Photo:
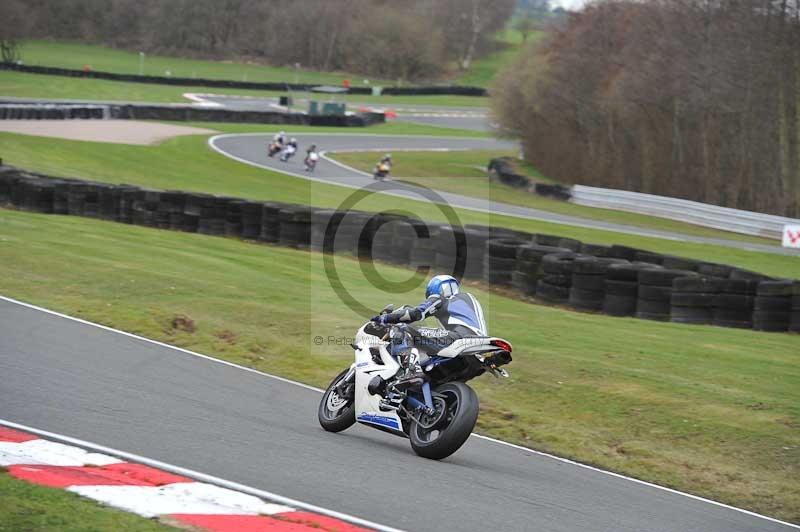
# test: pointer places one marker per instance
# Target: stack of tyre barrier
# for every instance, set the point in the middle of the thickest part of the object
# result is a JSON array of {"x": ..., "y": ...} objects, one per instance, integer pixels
[
  {"x": 405, "y": 232},
  {"x": 528, "y": 267},
  {"x": 692, "y": 300},
  {"x": 588, "y": 288},
  {"x": 556, "y": 281},
  {"x": 449, "y": 243},
  {"x": 503, "y": 169},
  {"x": 51, "y": 111},
  {"x": 56, "y": 111},
  {"x": 558, "y": 242},
  {"x": 733, "y": 302},
  {"x": 773, "y": 306},
  {"x": 213, "y": 211},
  {"x": 654, "y": 296},
  {"x": 423, "y": 252},
  {"x": 794, "y": 320},
  {"x": 500, "y": 259},
  {"x": 252, "y": 212},
  {"x": 615, "y": 280},
  {"x": 295, "y": 229},
  {"x": 323, "y": 223},
  {"x": 622, "y": 287},
  {"x": 383, "y": 239},
  {"x": 271, "y": 221},
  {"x": 35, "y": 195},
  {"x": 595, "y": 250},
  {"x": 61, "y": 198},
  {"x": 626, "y": 253},
  {"x": 474, "y": 251}
]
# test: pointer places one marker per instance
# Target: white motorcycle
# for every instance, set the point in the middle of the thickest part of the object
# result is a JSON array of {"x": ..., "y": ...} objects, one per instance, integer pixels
[{"x": 439, "y": 417}]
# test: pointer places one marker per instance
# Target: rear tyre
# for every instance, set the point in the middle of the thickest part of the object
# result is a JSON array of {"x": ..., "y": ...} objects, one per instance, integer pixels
[
  {"x": 457, "y": 412},
  {"x": 337, "y": 413}
]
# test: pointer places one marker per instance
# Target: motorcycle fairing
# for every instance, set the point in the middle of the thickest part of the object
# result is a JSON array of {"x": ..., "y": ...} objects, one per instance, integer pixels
[{"x": 367, "y": 405}]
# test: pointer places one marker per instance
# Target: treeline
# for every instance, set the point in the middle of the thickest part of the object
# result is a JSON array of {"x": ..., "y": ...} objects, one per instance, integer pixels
[
  {"x": 695, "y": 99},
  {"x": 409, "y": 40}
]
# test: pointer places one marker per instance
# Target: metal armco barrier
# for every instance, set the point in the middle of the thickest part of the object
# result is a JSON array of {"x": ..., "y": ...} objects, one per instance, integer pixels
[{"x": 693, "y": 212}]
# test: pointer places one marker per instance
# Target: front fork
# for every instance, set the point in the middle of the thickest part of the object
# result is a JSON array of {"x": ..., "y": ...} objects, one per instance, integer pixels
[{"x": 344, "y": 381}]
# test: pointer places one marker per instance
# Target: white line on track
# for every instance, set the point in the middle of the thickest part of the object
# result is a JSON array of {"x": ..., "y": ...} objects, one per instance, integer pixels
[
  {"x": 211, "y": 142},
  {"x": 629, "y": 230},
  {"x": 202, "y": 477},
  {"x": 284, "y": 500}
]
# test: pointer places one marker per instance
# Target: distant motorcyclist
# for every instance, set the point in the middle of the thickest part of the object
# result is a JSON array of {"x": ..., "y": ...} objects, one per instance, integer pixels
[
  {"x": 289, "y": 150},
  {"x": 459, "y": 314},
  {"x": 311, "y": 158},
  {"x": 383, "y": 167},
  {"x": 277, "y": 144}
]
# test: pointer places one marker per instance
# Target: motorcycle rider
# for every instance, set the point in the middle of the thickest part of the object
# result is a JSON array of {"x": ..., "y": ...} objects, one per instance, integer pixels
[
  {"x": 289, "y": 150},
  {"x": 459, "y": 314},
  {"x": 311, "y": 158},
  {"x": 277, "y": 143},
  {"x": 383, "y": 167}
]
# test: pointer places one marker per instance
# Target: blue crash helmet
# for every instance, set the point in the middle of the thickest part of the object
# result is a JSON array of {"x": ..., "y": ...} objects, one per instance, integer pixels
[{"x": 444, "y": 285}]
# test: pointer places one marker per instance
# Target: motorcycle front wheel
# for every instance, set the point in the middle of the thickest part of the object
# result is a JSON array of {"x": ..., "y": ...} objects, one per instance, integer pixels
[
  {"x": 443, "y": 433},
  {"x": 337, "y": 413}
]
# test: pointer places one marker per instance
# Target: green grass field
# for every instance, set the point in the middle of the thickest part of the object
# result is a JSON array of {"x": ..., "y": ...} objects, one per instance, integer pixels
[
  {"x": 25, "y": 506},
  {"x": 708, "y": 410},
  {"x": 483, "y": 70},
  {"x": 186, "y": 163},
  {"x": 23, "y": 85},
  {"x": 77, "y": 55},
  {"x": 465, "y": 173}
]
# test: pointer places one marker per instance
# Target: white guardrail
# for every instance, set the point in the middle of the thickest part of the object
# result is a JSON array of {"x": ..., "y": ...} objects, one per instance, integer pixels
[{"x": 693, "y": 212}]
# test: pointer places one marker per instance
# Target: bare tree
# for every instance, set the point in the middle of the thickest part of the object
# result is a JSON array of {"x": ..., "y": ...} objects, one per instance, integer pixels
[
  {"x": 356, "y": 35},
  {"x": 689, "y": 98},
  {"x": 12, "y": 28}
]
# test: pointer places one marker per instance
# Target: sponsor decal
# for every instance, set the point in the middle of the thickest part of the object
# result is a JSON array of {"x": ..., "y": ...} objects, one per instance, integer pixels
[
  {"x": 791, "y": 236},
  {"x": 385, "y": 421}
]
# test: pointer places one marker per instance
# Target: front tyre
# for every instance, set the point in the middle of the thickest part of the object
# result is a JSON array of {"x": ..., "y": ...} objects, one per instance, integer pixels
[
  {"x": 337, "y": 412},
  {"x": 442, "y": 434}
]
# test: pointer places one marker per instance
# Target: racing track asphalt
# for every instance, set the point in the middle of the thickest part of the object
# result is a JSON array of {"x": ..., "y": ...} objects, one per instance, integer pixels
[
  {"x": 250, "y": 148},
  {"x": 137, "y": 396}
]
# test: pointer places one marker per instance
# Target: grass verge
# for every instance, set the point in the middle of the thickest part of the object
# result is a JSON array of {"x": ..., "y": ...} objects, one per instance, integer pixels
[
  {"x": 186, "y": 163},
  {"x": 26, "y": 506},
  {"x": 509, "y": 43},
  {"x": 77, "y": 55},
  {"x": 25, "y": 85},
  {"x": 707, "y": 410},
  {"x": 464, "y": 173}
]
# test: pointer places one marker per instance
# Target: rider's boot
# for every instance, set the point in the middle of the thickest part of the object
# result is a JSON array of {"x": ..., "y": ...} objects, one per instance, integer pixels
[{"x": 412, "y": 376}]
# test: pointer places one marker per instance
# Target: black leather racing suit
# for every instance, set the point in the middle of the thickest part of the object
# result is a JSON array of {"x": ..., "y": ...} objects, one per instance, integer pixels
[{"x": 460, "y": 316}]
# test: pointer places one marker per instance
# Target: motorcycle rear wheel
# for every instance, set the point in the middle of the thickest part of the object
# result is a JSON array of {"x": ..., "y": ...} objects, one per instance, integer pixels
[
  {"x": 453, "y": 429},
  {"x": 336, "y": 413}
]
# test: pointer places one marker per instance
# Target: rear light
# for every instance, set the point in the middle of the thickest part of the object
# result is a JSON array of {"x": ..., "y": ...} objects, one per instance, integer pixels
[{"x": 502, "y": 344}]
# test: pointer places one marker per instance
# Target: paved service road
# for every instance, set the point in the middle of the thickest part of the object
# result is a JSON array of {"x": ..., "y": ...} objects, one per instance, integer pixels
[
  {"x": 251, "y": 149},
  {"x": 475, "y": 118},
  {"x": 114, "y": 390}
]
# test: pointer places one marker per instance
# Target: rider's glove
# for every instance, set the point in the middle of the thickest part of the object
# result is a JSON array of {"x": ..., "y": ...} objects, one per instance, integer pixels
[{"x": 380, "y": 320}]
